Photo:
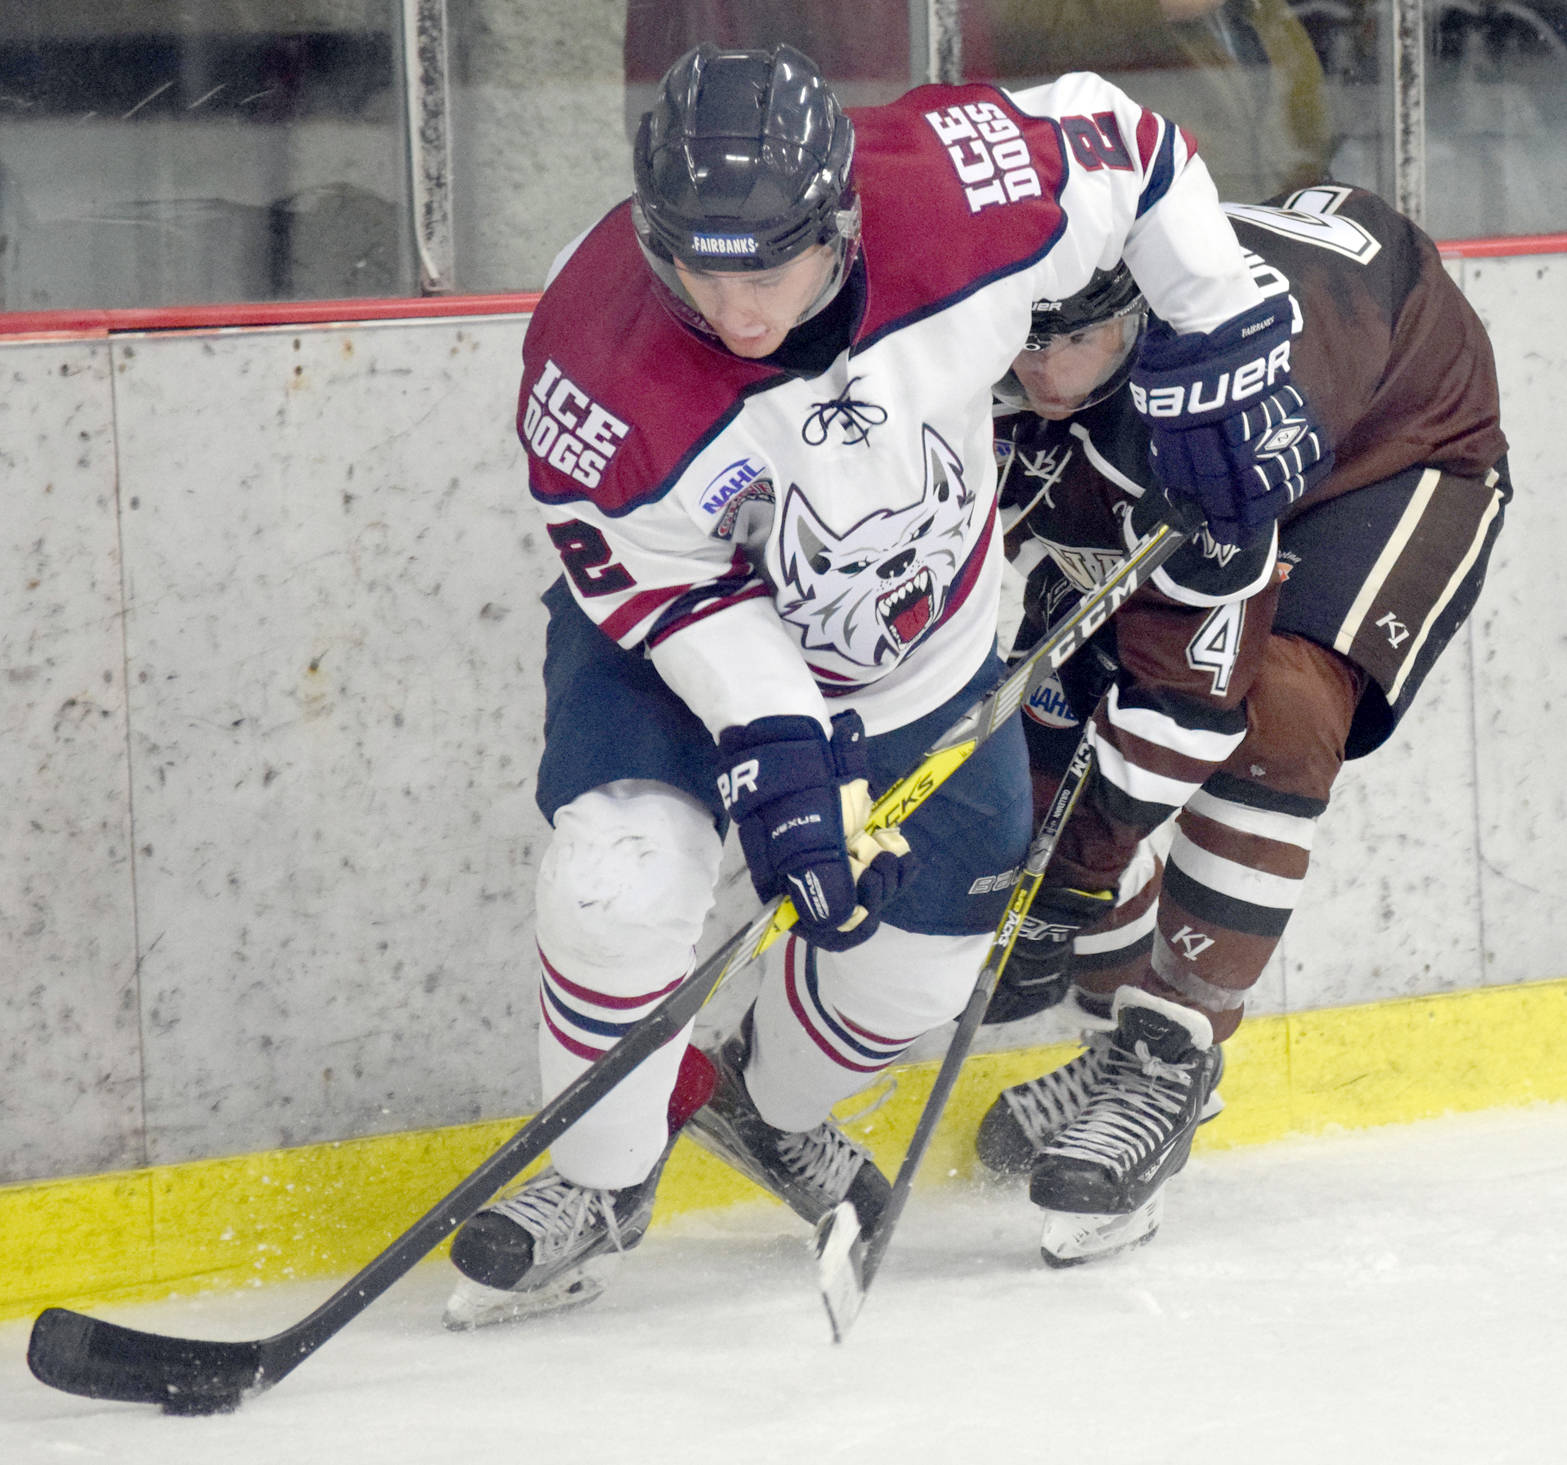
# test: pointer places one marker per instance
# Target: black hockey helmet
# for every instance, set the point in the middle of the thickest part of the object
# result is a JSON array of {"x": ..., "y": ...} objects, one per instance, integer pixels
[
  {"x": 743, "y": 164},
  {"x": 1109, "y": 295}
]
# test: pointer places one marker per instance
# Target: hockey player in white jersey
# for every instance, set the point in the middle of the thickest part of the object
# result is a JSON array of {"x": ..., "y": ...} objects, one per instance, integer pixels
[{"x": 756, "y": 408}]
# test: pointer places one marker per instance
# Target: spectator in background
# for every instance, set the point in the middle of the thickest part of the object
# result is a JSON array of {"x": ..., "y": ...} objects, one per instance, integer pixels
[{"x": 1240, "y": 75}]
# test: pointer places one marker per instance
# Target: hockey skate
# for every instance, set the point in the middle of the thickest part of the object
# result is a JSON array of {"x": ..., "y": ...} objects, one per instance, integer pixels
[
  {"x": 1026, "y": 1117},
  {"x": 810, "y": 1172},
  {"x": 546, "y": 1246},
  {"x": 1100, "y": 1179},
  {"x": 534, "y": 1252}
]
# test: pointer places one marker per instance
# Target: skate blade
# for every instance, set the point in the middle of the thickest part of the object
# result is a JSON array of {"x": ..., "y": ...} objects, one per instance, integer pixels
[
  {"x": 473, "y": 1305},
  {"x": 1070, "y": 1238},
  {"x": 840, "y": 1261}
]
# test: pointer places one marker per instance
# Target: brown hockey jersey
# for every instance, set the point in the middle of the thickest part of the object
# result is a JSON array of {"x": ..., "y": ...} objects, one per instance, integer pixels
[{"x": 1399, "y": 370}]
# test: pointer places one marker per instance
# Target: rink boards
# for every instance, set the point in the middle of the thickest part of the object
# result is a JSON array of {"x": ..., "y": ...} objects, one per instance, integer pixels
[
  {"x": 272, "y": 713},
  {"x": 320, "y": 1210}
]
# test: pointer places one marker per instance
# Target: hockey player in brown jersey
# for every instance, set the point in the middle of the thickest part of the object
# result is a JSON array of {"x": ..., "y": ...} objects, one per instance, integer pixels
[{"x": 1229, "y": 694}]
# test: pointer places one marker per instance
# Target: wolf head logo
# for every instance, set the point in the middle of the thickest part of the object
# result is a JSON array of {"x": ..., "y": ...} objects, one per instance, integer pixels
[{"x": 870, "y": 593}]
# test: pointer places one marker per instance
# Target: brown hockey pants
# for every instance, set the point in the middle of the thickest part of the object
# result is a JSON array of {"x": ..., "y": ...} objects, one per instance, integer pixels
[{"x": 1241, "y": 845}]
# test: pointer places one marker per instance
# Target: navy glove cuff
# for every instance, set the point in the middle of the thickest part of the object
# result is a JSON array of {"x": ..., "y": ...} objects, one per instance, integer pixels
[
  {"x": 1205, "y": 376},
  {"x": 780, "y": 780},
  {"x": 1226, "y": 427},
  {"x": 769, "y": 759}
]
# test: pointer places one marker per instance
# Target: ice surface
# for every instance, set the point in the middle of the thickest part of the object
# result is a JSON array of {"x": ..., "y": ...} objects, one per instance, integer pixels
[{"x": 1391, "y": 1296}]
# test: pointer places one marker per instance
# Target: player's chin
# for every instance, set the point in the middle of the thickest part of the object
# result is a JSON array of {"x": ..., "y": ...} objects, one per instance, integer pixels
[
  {"x": 753, "y": 347},
  {"x": 1052, "y": 410}
]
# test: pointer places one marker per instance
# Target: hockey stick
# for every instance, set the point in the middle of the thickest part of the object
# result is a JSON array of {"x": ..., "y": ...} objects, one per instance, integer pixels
[
  {"x": 103, "y": 1360},
  {"x": 847, "y": 1260}
]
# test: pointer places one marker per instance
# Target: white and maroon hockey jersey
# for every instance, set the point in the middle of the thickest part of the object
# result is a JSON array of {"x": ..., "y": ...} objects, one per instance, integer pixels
[{"x": 781, "y": 542}]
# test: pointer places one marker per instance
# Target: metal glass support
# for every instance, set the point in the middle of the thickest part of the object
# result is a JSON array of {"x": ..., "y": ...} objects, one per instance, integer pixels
[
  {"x": 429, "y": 142},
  {"x": 935, "y": 41},
  {"x": 1409, "y": 108}
]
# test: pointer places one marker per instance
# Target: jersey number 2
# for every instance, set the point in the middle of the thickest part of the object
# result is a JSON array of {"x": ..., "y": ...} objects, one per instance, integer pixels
[{"x": 588, "y": 559}]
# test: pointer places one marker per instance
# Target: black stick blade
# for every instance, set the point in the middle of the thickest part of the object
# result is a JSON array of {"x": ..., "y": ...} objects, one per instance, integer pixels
[{"x": 101, "y": 1360}]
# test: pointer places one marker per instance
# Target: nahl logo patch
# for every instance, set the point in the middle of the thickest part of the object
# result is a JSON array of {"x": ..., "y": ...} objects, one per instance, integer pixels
[
  {"x": 727, "y": 482},
  {"x": 743, "y": 482},
  {"x": 1047, "y": 705}
]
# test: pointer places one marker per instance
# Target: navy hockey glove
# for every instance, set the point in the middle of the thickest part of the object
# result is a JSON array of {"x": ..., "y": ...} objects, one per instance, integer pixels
[
  {"x": 800, "y": 803},
  {"x": 1226, "y": 426},
  {"x": 1039, "y": 971}
]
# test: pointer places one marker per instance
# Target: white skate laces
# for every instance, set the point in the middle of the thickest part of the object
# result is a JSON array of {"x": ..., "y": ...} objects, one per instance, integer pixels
[
  {"x": 1044, "y": 1106},
  {"x": 1147, "y": 1099},
  {"x": 810, "y": 1171},
  {"x": 823, "y": 1158},
  {"x": 578, "y": 1235},
  {"x": 558, "y": 1215}
]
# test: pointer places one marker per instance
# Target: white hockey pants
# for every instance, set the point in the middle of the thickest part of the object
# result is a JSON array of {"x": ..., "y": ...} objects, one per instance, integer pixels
[{"x": 623, "y": 891}]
